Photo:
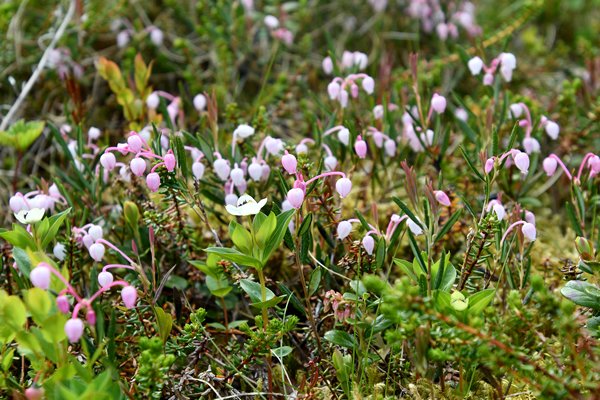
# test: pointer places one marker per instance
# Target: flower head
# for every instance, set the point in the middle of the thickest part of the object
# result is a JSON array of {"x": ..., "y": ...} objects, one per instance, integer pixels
[
  {"x": 246, "y": 205},
  {"x": 32, "y": 216}
]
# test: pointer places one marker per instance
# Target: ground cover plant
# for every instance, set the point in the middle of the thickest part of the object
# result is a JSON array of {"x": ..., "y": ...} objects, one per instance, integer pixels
[{"x": 308, "y": 200}]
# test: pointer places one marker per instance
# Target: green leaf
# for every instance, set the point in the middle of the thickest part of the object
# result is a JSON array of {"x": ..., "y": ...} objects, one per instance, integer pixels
[
  {"x": 219, "y": 287},
  {"x": 582, "y": 293},
  {"x": 267, "y": 227},
  {"x": 340, "y": 338},
  {"x": 458, "y": 301},
  {"x": 470, "y": 164},
  {"x": 315, "y": 279},
  {"x": 19, "y": 237},
  {"x": 38, "y": 303},
  {"x": 235, "y": 256},
  {"x": 283, "y": 220},
  {"x": 21, "y": 134},
  {"x": 165, "y": 323},
  {"x": 253, "y": 290},
  {"x": 480, "y": 300},
  {"x": 448, "y": 225},
  {"x": 241, "y": 238},
  {"x": 282, "y": 351},
  {"x": 54, "y": 224},
  {"x": 305, "y": 226}
]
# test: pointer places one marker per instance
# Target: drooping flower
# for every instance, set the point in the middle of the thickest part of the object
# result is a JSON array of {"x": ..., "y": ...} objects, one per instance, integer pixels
[{"x": 343, "y": 229}]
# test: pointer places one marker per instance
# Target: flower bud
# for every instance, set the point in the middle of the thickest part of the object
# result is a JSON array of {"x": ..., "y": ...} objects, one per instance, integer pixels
[
  {"x": 530, "y": 217},
  {"x": 255, "y": 170},
  {"x": 360, "y": 146},
  {"x": 296, "y": 197},
  {"x": 488, "y": 79},
  {"x": 90, "y": 317},
  {"x": 301, "y": 148},
  {"x": 552, "y": 129},
  {"x": 199, "y": 102},
  {"x": 516, "y": 110},
  {"x": 531, "y": 145},
  {"x": 378, "y": 111},
  {"x": 40, "y": 276},
  {"x": 343, "y": 187},
  {"x": 105, "y": 278},
  {"x": 129, "y": 296},
  {"x": 489, "y": 165},
  {"x": 475, "y": 65},
  {"x": 344, "y": 136},
  {"x": 271, "y": 22},
  {"x": 198, "y": 170},
  {"x": 231, "y": 199},
  {"x": 152, "y": 101},
  {"x": 222, "y": 168},
  {"x": 94, "y": 133},
  {"x": 369, "y": 244},
  {"x": 390, "y": 147},
  {"x": 343, "y": 98},
  {"x": 135, "y": 143},
  {"x": 508, "y": 61},
  {"x": 34, "y": 393},
  {"x": 137, "y": 166},
  {"x": 343, "y": 229},
  {"x": 87, "y": 240},
  {"x": 17, "y": 203},
  {"x": 506, "y": 73},
  {"x": 153, "y": 181},
  {"x": 499, "y": 211},
  {"x": 59, "y": 251},
  {"x": 333, "y": 89},
  {"x": 354, "y": 90},
  {"x": 550, "y": 164},
  {"x": 414, "y": 227},
  {"x": 243, "y": 131},
  {"x": 585, "y": 248},
  {"x": 74, "y": 329},
  {"x": 170, "y": 162},
  {"x": 108, "y": 161},
  {"x": 95, "y": 231},
  {"x": 274, "y": 146},
  {"x": 529, "y": 231},
  {"x": 62, "y": 303},
  {"x": 96, "y": 251},
  {"x": 330, "y": 163},
  {"x": 442, "y": 198},
  {"x": 368, "y": 85},
  {"x": 327, "y": 65},
  {"x": 289, "y": 163},
  {"x": 157, "y": 36},
  {"x": 438, "y": 103},
  {"x": 237, "y": 175},
  {"x": 522, "y": 162}
]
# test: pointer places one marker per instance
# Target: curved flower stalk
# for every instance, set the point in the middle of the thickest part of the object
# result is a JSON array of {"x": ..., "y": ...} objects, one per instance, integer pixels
[
  {"x": 531, "y": 144},
  {"x": 590, "y": 161},
  {"x": 382, "y": 141},
  {"x": 528, "y": 230},
  {"x": 74, "y": 327},
  {"x": 45, "y": 200},
  {"x": 297, "y": 194},
  {"x": 138, "y": 146},
  {"x": 505, "y": 62},
  {"x": 349, "y": 61}
]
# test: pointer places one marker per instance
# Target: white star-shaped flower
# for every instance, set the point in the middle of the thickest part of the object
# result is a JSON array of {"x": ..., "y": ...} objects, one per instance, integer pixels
[
  {"x": 32, "y": 216},
  {"x": 246, "y": 205}
]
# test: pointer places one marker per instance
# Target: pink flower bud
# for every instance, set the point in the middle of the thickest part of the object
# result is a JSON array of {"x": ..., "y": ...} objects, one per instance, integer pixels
[
  {"x": 296, "y": 197},
  {"x": 499, "y": 211},
  {"x": 59, "y": 251},
  {"x": 360, "y": 146},
  {"x": 87, "y": 240},
  {"x": 354, "y": 90},
  {"x": 522, "y": 162},
  {"x": 343, "y": 229},
  {"x": 550, "y": 164},
  {"x": 552, "y": 129},
  {"x": 301, "y": 148},
  {"x": 95, "y": 231},
  {"x": 152, "y": 101},
  {"x": 594, "y": 164},
  {"x": 289, "y": 162},
  {"x": 438, "y": 103},
  {"x": 34, "y": 393},
  {"x": 231, "y": 199},
  {"x": 62, "y": 303},
  {"x": 333, "y": 89},
  {"x": 74, "y": 329},
  {"x": 17, "y": 203},
  {"x": 368, "y": 85},
  {"x": 489, "y": 165},
  {"x": 343, "y": 187},
  {"x": 170, "y": 161},
  {"x": 327, "y": 65},
  {"x": 137, "y": 166},
  {"x": 108, "y": 161},
  {"x": 274, "y": 146},
  {"x": 96, "y": 251},
  {"x": 531, "y": 145},
  {"x": 199, "y": 102},
  {"x": 442, "y": 198},
  {"x": 530, "y": 217},
  {"x": 506, "y": 73},
  {"x": 135, "y": 143},
  {"x": 153, "y": 181},
  {"x": 237, "y": 175},
  {"x": 516, "y": 110},
  {"x": 529, "y": 231},
  {"x": 330, "y": 163},
  {"x": 40, "y": 276},
  {"x": 475, "y": 65},
  {"x": 369, "y": 244},
  {"x": 90, "y": 317},
  {"x": 488, "y": 79},
  {"x": 344, "y": 136},
  {"x": 343, "y": 98},
  {"x": 243, "y": 131},
  {"x": 390, "y": 147},
  {"x": 378, "y": 111},
  {"x": 266, "y": 171},
  {"x": 105, "y": 278},
  {"x": 442, "y": 31},
  {"x": 129, "y": 296},
  {"x": 198, "y": 170},
  {"x": 255, "y": 171},
  {"x": 222, "y": 168}
]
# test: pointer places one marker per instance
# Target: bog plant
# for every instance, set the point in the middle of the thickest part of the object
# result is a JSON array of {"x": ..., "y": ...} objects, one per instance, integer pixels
[{"x": 326, "y": 200}]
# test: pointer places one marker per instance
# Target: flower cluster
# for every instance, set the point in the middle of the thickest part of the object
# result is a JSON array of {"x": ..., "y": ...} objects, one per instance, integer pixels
[
  {"x": 519, "y": 158},
  {"x": 506, "y": 62},
  {"x": 445, "y": 23},
  {"x": 349, "y": 61},
  {"x": 342, "y": 309},
  {"x": 338, "y": 87},
  {"x": 139, "y": 147},
  {"x": 36, "y": 199},
  {"x": 277, "y": 31}
]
